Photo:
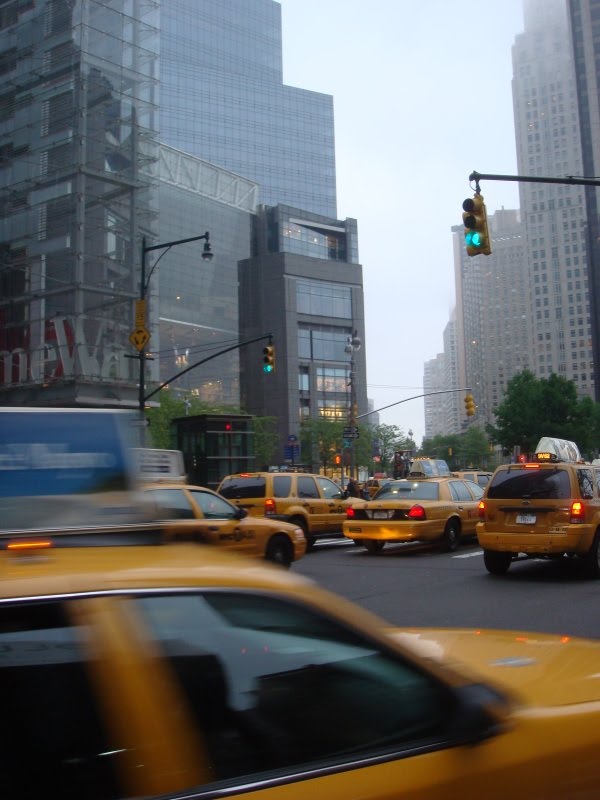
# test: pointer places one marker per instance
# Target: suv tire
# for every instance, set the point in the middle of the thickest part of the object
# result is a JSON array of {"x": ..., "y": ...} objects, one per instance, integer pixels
[
  {"x": 373, "y": 545},
  {"x": 496, "y": 563}
]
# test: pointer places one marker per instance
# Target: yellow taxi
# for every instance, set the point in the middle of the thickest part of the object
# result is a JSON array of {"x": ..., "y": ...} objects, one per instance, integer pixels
[
  {"x": 547, "y": 507},
  {"x": 130, "y": 668},
  {"x": 411, "y": 510},
  {"x": 313, "y": 502},
  {"x": 219, "y": 522}
]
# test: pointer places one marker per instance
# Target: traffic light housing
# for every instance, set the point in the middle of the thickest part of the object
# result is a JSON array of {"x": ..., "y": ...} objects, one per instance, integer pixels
[
  {"x": 269, "y": 358},
  {"x": 477, "y": 237},
  {"x": 469, "y": 405},
  {"x": 337, "y": 459}
]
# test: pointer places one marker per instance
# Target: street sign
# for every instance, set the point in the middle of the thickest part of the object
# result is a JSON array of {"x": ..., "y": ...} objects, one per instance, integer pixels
[
  {"x": 139, "y": 338},
  {"x": 351, "y": 432},
  {"x": 140, "y": 314},
  {"x": 292, "y": 438},
  {"x": 291, "y": 452}
]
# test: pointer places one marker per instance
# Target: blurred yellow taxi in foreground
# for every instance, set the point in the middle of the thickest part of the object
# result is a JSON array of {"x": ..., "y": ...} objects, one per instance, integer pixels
[{"x": 133, "y": 668}]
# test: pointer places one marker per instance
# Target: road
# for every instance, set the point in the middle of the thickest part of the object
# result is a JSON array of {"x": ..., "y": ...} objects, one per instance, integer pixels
[{"x": 417, "y": 586}]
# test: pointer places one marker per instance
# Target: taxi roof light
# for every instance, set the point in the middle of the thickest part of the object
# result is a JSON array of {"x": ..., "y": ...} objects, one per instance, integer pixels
[{"x": 551, "y": 449}]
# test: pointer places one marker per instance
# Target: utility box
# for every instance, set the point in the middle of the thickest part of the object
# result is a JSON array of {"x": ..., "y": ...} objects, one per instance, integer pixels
[{"x": 213, "y": 446}]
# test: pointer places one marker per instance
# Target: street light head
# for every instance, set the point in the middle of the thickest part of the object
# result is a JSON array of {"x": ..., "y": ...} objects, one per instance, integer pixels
[{"x": 207, "y": 253}]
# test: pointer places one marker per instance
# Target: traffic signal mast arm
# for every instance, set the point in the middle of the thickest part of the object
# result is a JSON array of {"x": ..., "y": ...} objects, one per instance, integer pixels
[
  {"x": 414, "y": 397},
  {"x": 569, "y": 181}
]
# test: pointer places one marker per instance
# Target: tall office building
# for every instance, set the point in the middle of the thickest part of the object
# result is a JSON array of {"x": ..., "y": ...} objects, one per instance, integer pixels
[
  {"x": 223, "y": 99},
  {"x": 434, "y": 376},
  {"x": 78, "y": 154},
  {"x": 492, "y": 313},
  {"x": 554, "y": 215},
  {"x": 95, "y": 162},
  {"x": 584, "y": 18}
]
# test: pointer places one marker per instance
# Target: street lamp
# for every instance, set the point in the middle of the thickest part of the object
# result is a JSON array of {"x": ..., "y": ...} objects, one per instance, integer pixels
[
  {"x": 140, "y": 335},
  {"x": 353, "y": 344}
]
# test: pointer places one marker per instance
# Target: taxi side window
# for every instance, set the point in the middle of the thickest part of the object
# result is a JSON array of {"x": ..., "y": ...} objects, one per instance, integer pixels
[
  {"x": 282, "y": 485},
  {"x": 586, "y": 483},
  {"x": 307, "y": 487},
  {"x": 54, "y": 743},
  {"x": 212, "y": 506},
  {"x": 275, "y": 686},
  {"x": 329, "y": 489},
  {"x": 173, "y": 502},
  {"x": 459, "y": 491},
  {"x": 597, "y": 477}
]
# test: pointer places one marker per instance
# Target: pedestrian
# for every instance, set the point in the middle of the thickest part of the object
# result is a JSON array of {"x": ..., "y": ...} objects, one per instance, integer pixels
[{"x": 352, "y": 489}]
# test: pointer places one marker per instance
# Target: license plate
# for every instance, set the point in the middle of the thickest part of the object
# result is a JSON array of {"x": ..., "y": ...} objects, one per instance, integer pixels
[
  {"x": 380, "y": 515},
  {"x": 526, "y": 519}
]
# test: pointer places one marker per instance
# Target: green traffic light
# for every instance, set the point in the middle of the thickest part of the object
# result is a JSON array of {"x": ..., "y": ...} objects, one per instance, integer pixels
[
  {"x": 268, "y": 368},
  {"x": 473, "y": 239}
]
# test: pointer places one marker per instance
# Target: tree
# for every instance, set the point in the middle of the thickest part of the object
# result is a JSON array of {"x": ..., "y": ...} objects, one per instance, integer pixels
[
  {"x": 266, "y": 439},
  {"x": 173, "y": 406},
  {"x": 389, "y": 438},
  {"x": 535, "y": 407},
  {"x": 320, "y": 440}
]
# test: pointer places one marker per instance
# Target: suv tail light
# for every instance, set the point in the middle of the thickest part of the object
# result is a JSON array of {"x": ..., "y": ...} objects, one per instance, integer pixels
[
  {"x": 577, "y": 511},
  {"x": 481, "y": 509},
  {"x": 417, "y": 512},
  {"x": 350, "y": 513},
  {"x": 270, "y": 506}
]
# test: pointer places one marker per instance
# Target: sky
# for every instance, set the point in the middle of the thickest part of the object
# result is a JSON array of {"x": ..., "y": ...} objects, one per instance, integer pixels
[{"x": 422, "y": 97}]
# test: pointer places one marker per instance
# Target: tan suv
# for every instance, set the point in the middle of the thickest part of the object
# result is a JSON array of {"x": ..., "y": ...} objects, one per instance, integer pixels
[
  {"x": 312, "y": 502},
  {"x": 548, "y": 507}
]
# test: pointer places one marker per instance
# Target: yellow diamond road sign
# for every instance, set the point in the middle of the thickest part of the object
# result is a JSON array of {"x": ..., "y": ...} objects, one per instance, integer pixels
[{"x": 139, "y": 338}]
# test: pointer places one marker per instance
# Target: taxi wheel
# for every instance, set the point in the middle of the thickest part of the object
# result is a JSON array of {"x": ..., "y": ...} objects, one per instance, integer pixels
[
  {"x": 496, "y": 563},
  {"x": 451, "y": 536},
  {"x": 373, "y": 545},
  {"x": 279, "y": 551},
  {"x": 591, "y": 560}
]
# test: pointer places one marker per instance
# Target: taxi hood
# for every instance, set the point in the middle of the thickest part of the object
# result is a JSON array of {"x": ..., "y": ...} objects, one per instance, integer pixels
[{"x": 537, "y": 669}]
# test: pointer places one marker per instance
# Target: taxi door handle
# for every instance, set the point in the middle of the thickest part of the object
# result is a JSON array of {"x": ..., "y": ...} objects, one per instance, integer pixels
[
  {"x": 212, "y": 528},
  {"x": 461, "y": 508}
]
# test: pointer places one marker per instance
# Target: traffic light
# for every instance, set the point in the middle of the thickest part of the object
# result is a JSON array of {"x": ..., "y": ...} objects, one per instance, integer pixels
[
  {"x": 269, "y": 358},
  {"x": 338, "y": 459},
  {"x": 469, "y": 405},
  {"x": 477, "y": 237}
]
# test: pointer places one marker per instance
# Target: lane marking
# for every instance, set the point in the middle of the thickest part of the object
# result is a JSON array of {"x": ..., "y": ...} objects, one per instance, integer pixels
[{"x": 469, "y": 555}]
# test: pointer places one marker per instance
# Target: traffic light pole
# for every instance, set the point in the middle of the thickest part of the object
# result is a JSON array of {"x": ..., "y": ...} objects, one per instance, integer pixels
[
  {"x": 208, "y": 358},
  {"x": 414, "y": 397},
  {"x": 569, "y": 181}
]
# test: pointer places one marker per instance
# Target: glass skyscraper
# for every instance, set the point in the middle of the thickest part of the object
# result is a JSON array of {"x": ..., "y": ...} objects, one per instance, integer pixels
[{"x": 223, "y": 99}]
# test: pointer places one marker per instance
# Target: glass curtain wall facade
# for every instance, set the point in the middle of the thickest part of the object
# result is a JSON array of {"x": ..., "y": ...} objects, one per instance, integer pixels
[
  {"x": 223, "y": 100},
  {"x": 198, "y": 300},
  {"x": 78, "y": 147}
]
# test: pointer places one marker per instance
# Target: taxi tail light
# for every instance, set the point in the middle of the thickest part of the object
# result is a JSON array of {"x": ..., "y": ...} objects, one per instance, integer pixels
[
  {"x": 577, "y": 511},
  {"x": 270, "y": 506},
  {"x": 350, "y": 513},
  {"x": 481, "y": 509},
  {"x": 417, "y": 512}
]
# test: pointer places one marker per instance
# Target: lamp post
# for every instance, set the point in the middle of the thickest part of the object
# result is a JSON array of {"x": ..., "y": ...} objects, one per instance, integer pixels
[
  {"x": 353, "y": 344},
  {"x": 140, "y": 336}
]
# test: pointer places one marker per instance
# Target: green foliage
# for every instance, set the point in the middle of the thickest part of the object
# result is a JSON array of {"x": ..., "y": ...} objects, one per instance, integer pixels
[
  {"x": 320, "y": 440},
  {"x": 266, "y": 440},
  {"x": 469, "y": 449},
  {"x": 535, "y": 407}
]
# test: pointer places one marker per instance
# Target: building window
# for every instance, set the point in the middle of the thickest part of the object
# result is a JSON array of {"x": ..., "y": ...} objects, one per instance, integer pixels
[
  {"x": 332, "y": 380},
  {"x": 304, "y": 380},
  {"x": 323, "y": 342},
  {"x": 323, "y": 299}
]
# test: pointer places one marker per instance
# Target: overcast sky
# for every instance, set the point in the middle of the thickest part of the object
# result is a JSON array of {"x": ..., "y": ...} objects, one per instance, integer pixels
[{"x": 422, "y": 97}]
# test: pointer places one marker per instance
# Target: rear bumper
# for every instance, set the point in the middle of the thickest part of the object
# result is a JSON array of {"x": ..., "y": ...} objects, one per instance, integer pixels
[
  {"x": 572, "y": 539},
  {"x": 393, "y": 532}
]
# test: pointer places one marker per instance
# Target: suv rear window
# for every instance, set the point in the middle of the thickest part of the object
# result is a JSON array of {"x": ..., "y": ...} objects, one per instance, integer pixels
[
  {"x": 241, "y": 488},
  {"x": 530, "y": 484}
]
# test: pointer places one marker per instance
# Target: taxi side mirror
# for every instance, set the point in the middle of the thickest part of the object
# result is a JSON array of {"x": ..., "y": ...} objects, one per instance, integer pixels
[{"x": 240, "y": 513}]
